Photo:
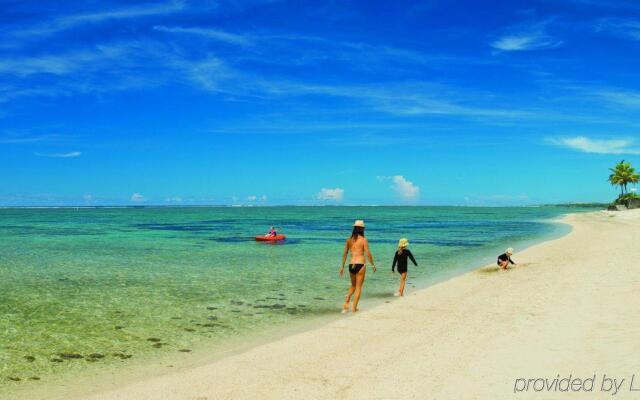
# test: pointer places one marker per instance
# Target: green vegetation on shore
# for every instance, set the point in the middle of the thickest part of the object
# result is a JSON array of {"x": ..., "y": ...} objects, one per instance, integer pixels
[
  {"x": 578, "y": 205},
  {"x": 622, "y": 175}
]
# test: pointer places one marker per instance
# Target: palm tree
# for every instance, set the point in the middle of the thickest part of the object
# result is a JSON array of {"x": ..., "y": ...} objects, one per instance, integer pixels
[
  {"x": 622, "y": 175},
  {"x": 615, "y": 178},
  {"x": 634, "y": 177}
]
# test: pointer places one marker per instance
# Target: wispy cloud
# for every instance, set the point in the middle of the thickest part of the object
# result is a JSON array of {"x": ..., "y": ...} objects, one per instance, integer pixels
[
  {"x": 299, "y": 50},
  {"x": 209, "y": 33},
  {"x": 626, "y": 98},
  {"x": 72, "y": 154},
  {"x": 117, "y": 67},
  {"x": 214, "y": 75},
  {"x": 597, "y": 146},
  {"x": 137, "y": 198},
  {"x": 611, "y": 4},
  {"x": 295, "y": 50},
  {"x": 525, "y": 41},
  {"x": 145, "y": 63},
  {"x": 12, "y": 138},
  {"x": 615, "y": 99},
  {"x": 620, "y": 27},
  {"x": 336, "y": 194},
  {"x": 400, "y": 98},
  {"x": 62, "y": 64},
  {"x": 71, "y": 21},
  {"x": 526, "y": 37},
  {"x": 95, "y": 70}
]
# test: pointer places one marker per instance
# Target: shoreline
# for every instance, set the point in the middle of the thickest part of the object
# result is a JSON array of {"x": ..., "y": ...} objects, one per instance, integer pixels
[
  {"x": 156, "y": 366},
  {"x": 558, "y": 311}
]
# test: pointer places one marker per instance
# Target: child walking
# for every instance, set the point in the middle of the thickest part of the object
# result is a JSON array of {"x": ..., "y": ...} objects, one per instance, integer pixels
[{"x": 400, "y": 258}]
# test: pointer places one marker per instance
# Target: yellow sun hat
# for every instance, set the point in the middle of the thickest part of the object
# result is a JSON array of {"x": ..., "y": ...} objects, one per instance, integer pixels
[{"x": 402, "y": 243}]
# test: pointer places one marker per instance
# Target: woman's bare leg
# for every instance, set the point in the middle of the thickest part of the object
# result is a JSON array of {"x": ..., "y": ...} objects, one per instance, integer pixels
[
  {"x": 403, "y": 279},
  {"x": 352, "y": 289},
  {"x": 359, "y": 281}
]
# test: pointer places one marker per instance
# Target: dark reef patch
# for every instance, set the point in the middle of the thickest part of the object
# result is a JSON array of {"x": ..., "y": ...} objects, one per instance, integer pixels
[{"x": 70, "y": 356}]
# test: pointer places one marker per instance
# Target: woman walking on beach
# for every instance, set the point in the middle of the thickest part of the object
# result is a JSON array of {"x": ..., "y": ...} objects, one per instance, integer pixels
[
  {"x": 400, "y": 258},
  {"x": 358, "y": 247}
]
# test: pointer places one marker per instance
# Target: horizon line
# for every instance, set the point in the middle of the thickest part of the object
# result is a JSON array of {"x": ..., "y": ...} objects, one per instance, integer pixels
[{"x": 586, "y": 204}]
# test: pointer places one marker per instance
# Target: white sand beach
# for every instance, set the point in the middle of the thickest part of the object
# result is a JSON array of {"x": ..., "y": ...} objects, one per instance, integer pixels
[{"x": 570, "y": 306}]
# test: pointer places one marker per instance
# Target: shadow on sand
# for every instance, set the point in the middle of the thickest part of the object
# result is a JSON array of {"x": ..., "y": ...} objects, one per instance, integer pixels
[{"x": 489, "y": 270}]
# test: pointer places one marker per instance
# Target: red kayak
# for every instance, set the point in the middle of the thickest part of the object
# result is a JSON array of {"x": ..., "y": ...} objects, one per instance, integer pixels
[{"x": 275, "y": 238}]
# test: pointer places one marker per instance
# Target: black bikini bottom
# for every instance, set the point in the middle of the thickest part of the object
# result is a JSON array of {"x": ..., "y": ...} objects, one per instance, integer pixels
[{"x": 355, "y": 268}]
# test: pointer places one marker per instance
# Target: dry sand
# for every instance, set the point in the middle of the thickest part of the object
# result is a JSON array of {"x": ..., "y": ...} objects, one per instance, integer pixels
[{"x": 571, "y": 306}]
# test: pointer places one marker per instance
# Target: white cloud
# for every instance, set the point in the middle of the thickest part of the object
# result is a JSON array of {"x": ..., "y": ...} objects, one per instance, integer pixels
[
  {"x": 107, "y": 68},
  {"x": 71, "y": 21},
  {"x": 93, "y": 70},
  {"x": 404, "y": 189},
  {"x": 407, "y": 99},
  {"x": 598, "y": 146},
  {"x": 213, "y": 74},
  {"x": 12, "y": 138},
  {"x": 173, "y": 200},
  {"x": 254, "y": 197},
  {"x": 336, "y": 194},
  {"x": 525, "y": 41},
  {"x": 213, "y": 34},
  {"x": 622, "y": 28},
  {"x": 64, "y": 64},
  {"x": 620, "y": 4},
  {"x": 626, "y": 98},
  {"x": 80, "y": 70},
  {"x": 526, "y": 36},
  {"x": 137, "y": 198},
  {"x": 88, "y": 197},
  {"x": 71, "y": 154}
]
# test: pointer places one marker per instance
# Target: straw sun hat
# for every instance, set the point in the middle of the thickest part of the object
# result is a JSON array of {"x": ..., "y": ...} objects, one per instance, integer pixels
[
  {"x": 359, "y": 223},
  {"x": 402, "y": 243}
]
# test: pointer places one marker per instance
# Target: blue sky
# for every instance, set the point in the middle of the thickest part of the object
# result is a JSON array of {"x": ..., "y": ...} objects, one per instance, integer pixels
[{"x": 334, "y": 102}]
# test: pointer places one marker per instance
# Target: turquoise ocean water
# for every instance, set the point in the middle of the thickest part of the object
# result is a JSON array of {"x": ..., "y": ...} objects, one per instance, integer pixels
[{"x": 91, "y": 288}]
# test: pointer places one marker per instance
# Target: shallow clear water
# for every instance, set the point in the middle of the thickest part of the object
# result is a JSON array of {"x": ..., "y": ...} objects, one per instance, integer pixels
[{"x": 80, "y": 288}]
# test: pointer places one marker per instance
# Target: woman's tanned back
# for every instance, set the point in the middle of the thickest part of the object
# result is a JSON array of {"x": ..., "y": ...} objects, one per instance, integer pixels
[{"x": 356, "y": 250}]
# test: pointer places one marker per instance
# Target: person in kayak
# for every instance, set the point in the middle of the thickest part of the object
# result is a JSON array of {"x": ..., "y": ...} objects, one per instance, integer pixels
[
  {"x": 400, "y": 258},
  {"x": 357, "y": 247},
  {"x": 505, "y": 259},
  {"x": 272, "y": 232}
]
